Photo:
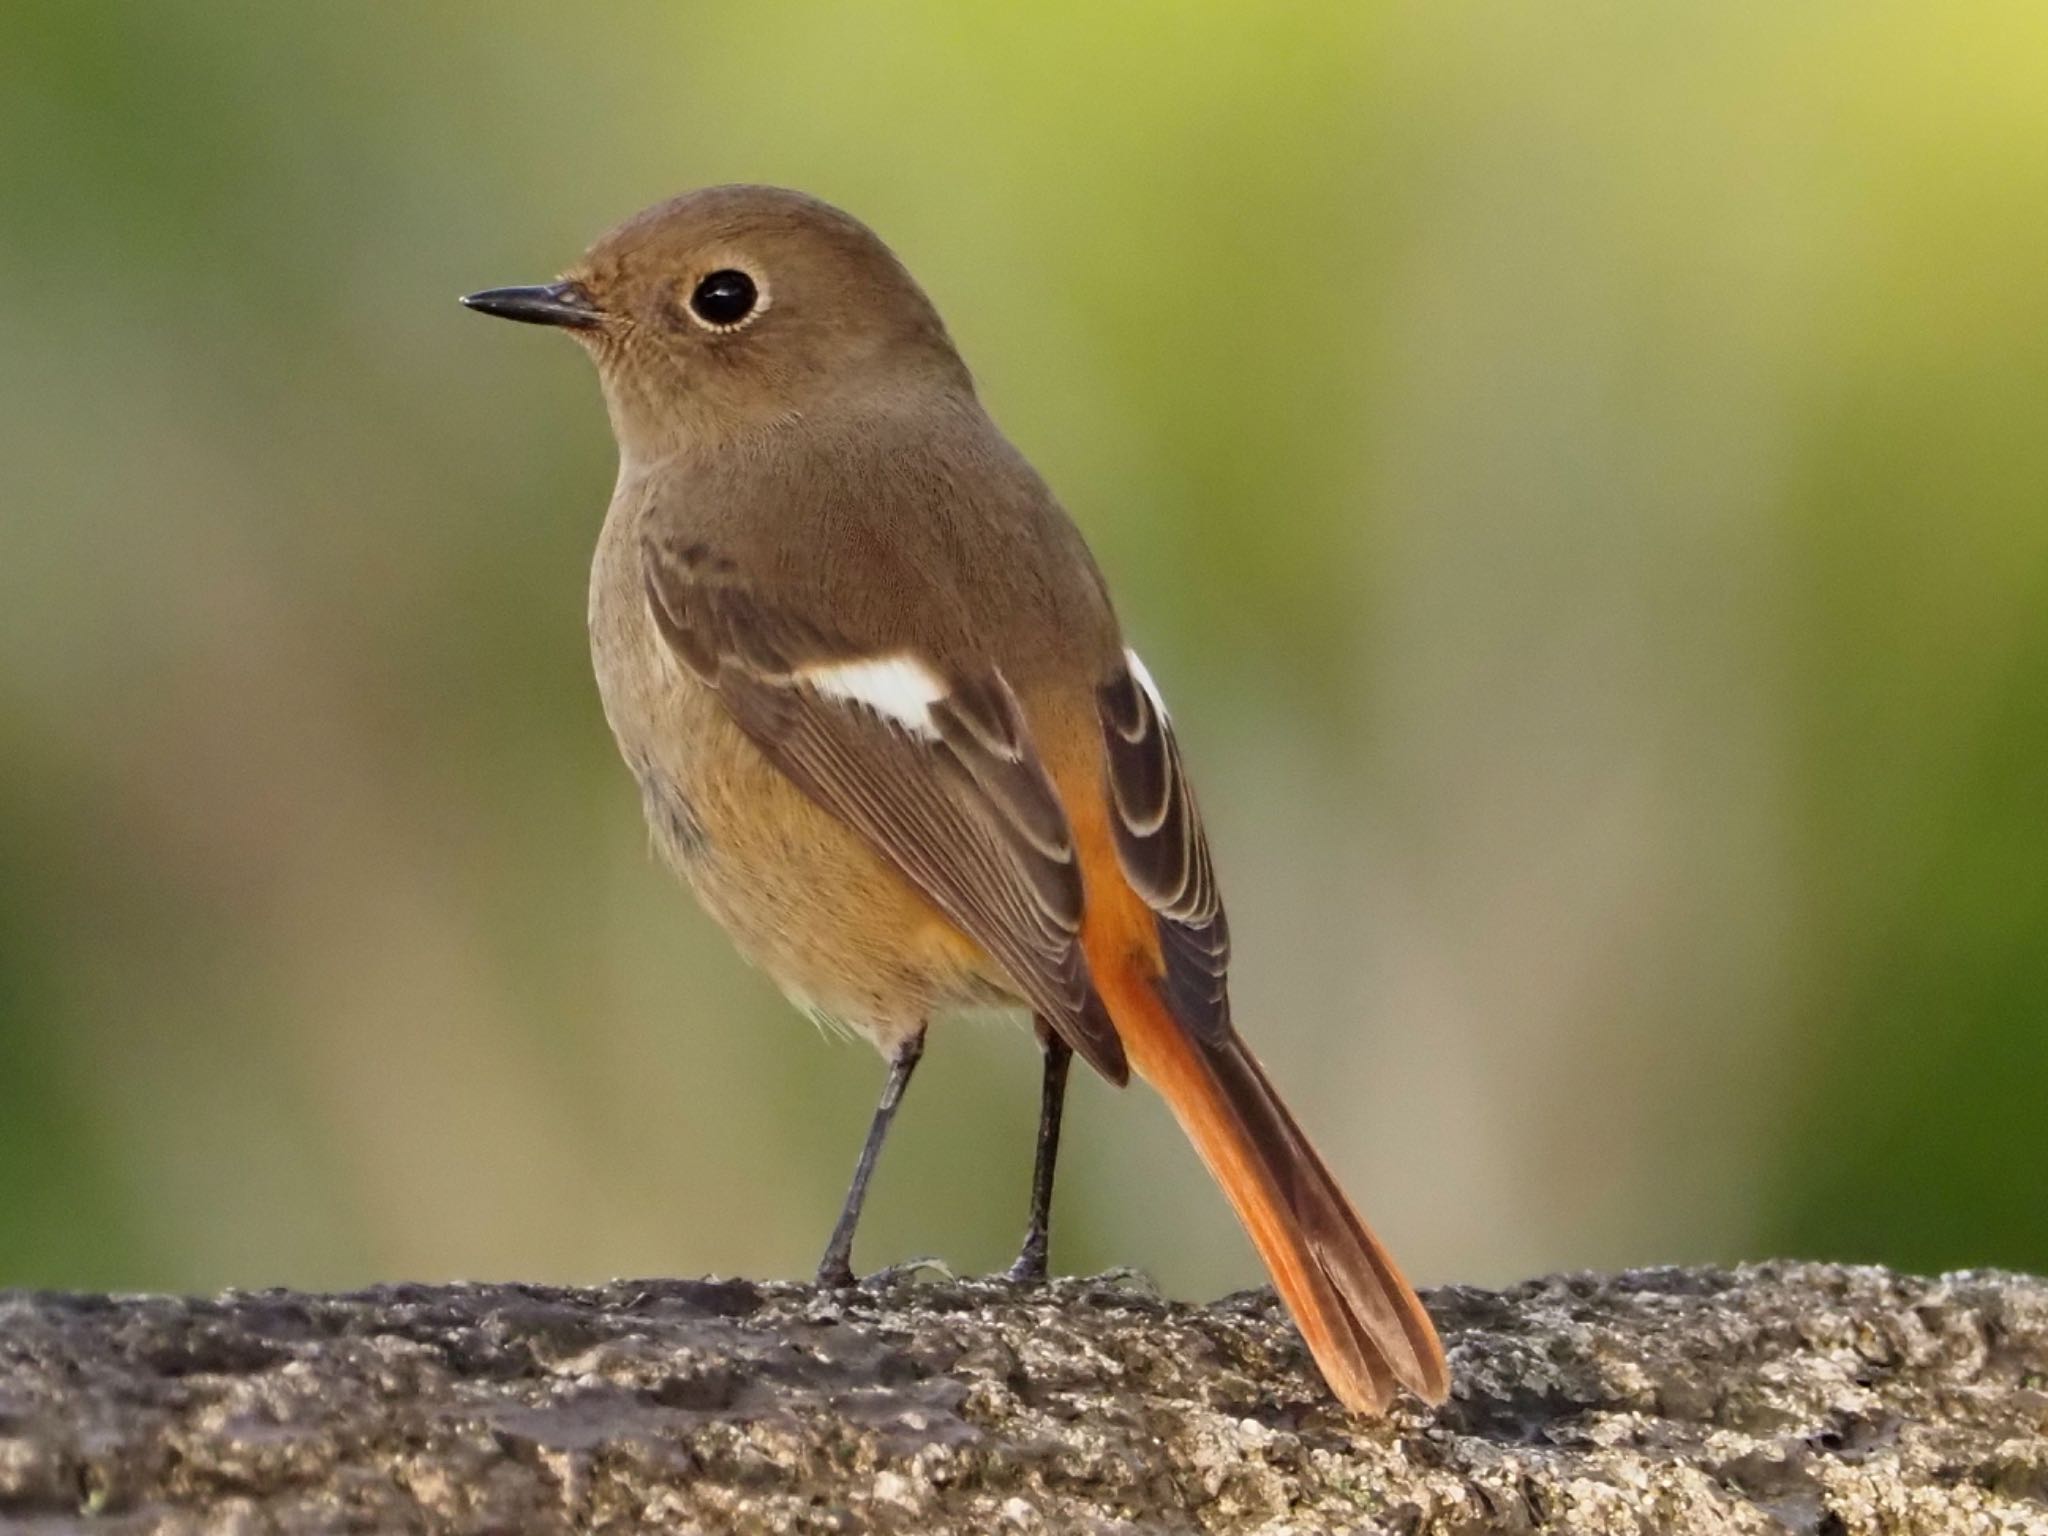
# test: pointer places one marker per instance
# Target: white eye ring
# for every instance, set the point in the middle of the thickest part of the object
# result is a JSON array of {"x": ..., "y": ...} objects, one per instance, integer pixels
[{"x": 727, "y": 298}]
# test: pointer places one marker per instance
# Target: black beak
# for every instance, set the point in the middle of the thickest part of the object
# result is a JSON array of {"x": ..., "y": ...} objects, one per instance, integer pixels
[{"x": 556, "y": 304}]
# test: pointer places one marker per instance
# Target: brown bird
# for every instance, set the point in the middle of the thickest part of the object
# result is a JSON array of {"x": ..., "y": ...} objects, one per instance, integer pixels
[{"x": 871, "y": 685}]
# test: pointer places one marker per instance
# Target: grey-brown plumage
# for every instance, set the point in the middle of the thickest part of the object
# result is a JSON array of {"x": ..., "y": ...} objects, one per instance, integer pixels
[{"x": 869, "y": 679}]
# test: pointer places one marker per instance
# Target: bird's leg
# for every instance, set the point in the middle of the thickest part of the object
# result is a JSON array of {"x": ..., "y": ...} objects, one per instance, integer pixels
[
  {"x": 1031, "y": 1260},
  {"x": 836, "y": 1267}
]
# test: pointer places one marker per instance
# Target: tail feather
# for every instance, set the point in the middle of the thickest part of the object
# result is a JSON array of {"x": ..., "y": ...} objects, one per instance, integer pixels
[
  {"x": 1361, "y": 1320},
  {"x": 1377, "y": 1296}
]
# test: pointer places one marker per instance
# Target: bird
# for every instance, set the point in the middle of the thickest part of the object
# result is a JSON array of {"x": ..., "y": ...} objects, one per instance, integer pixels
[{"x": 884, "y": 722}]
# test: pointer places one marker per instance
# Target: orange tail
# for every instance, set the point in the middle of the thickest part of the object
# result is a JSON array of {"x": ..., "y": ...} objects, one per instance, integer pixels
[{"x": 1361, "y": 1320}]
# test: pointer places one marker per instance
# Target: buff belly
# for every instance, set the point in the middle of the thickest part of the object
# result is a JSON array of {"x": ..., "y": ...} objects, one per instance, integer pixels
[{"x": 804, "y": 898}]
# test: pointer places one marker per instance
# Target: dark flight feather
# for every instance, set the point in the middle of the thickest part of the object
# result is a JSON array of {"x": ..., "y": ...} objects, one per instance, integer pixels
[{"x": 1165, "y": 853}]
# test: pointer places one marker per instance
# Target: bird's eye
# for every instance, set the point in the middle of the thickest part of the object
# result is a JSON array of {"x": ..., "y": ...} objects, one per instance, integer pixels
[{"x": 724, "y": 299}]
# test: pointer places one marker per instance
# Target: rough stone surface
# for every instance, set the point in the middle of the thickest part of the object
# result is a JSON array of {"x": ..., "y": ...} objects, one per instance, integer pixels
[{"x": 1777, "y": 1398}]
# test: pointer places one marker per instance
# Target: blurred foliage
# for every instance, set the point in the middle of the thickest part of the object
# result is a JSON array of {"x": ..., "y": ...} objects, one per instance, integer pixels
[{"x": 1579, "y": 474}]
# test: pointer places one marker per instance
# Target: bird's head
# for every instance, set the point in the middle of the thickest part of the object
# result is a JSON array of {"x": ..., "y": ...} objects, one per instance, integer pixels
[{"x": 736, "y": 307}]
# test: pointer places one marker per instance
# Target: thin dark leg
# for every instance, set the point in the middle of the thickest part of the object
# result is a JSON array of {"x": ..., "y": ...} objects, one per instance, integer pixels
[
  {"x": 836, "y": 1267},
  {"x": 1030, "y": 1266}
]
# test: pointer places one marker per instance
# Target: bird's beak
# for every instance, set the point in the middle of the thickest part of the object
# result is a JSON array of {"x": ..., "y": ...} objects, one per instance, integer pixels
[{"x": 555, "y": 304}]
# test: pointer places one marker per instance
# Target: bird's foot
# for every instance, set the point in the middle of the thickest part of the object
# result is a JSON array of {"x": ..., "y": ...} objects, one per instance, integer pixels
[
  {"x": 909, "y": 1271},
  {"x": 835, "y": 1276},
  {"x": 1030, "y": 1268}
]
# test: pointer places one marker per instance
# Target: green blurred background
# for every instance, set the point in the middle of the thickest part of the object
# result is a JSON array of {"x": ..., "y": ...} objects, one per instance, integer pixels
[{"x": 1581, "y": 475}]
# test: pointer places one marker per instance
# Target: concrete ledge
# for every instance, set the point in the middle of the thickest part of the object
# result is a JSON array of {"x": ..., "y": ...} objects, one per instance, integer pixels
[{"x": 1774, "y": 1398}]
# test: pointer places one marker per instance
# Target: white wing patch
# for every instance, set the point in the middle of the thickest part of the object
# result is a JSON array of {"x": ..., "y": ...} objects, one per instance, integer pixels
[
  {"x": 1144, "y": 677},
  {"x": 899, "y": 688}
]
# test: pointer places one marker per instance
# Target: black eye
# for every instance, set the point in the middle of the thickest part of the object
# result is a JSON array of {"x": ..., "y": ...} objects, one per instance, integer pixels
[{"x": 724, "y": 298}]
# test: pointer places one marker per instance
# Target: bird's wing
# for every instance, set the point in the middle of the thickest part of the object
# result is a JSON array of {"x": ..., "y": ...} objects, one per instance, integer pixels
[
  {"x": 1163, "y": 851},
  {"x": 935, "y": 767}
]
